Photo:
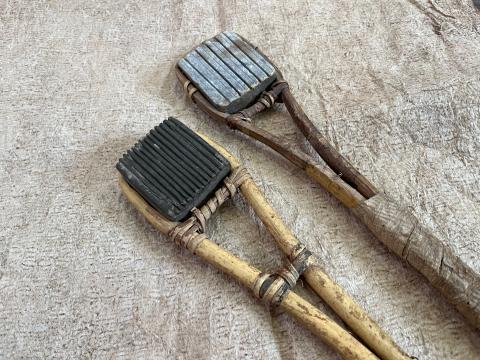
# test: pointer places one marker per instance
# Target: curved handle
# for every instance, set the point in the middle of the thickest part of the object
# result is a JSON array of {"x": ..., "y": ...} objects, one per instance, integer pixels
[
  {"x": 316, "y": 321},
  {"x": 333, "y": 295},
  {"x": 327, "y": 152},
  {"x": 329, "y": 291},
  {"x": 403, "y": 234}
]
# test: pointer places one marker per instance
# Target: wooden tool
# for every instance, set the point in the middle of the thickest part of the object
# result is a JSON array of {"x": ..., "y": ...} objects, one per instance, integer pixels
[
  {"x": 172, "y": 169},
  {"x": 233, "y": 81}
]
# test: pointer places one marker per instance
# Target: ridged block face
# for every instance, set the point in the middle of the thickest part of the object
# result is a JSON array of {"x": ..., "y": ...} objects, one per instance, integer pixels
[
  {"x": 173, "y": 169},
  {"x": 228, "y": 71}
]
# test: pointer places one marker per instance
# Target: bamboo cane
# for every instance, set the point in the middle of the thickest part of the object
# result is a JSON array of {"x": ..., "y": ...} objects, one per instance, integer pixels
[
  {"x": 316, "y": 321},
  {"x": 395, "y": 226},
  {"x": 332, "y": 157},
  {"x": 333, "y": 295}
]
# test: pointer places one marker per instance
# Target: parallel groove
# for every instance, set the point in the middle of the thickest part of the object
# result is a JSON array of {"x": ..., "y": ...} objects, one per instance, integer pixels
[
  {"x": 242, "y": 57},
  {"x": 222, "y": 68},
  {"x": 194, "y": 160},
  {"x": 212, "y": 76},
  {"x": 236, "y": 66},
  {"x": 184, "y": 161},
  {"x": 205, "y": 159},
  {"x": 166, "y": 167},
  {"x": 207, "y": 152},
  {"x": 178, "y": 164},
  {"x": 250, "y": 52},
  {"x": 198, "y": 78},
  {"x": 234, "y": 53},
  {"x": 161, "y": 182},
  {"x": 229, "y": 71},
  {"x": 160, "y": 147},
  {"x": 173, "y": 169},
  {"x": 206, "y": 78},
  {"x": 184, "y": 180},
  {"x": 138, "y": 172}
]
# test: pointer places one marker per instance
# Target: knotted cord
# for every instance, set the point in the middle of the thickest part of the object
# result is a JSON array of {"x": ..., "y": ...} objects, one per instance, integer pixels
[{"x": 271, "y": 288}]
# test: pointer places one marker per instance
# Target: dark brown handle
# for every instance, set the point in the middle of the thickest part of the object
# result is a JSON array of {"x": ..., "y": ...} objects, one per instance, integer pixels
[
  {"x": 328, "y": 153},
  {"x": 403, "y": 234},
  {"x": 322, "y": 174}
]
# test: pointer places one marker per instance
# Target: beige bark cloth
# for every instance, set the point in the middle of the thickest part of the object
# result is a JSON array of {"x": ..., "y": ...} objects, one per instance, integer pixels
[{"x": 393, "y": 84}]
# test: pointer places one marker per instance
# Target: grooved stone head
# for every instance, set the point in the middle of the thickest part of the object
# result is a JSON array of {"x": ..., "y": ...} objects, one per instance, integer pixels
[
  {"x": 228, "y": 71},
  {"x": 173, "y": 169}
]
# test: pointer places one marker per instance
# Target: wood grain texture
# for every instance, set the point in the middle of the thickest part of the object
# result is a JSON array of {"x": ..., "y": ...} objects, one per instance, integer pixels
[{"x": 83, "y": 276}]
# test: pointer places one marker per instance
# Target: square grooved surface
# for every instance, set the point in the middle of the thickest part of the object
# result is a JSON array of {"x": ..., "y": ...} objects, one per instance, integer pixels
[{"x": 228, "y": 71}]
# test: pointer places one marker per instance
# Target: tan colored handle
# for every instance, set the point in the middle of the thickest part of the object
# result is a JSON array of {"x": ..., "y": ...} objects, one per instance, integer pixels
[
  {"x": 330, "y": 292},
  {"x": 345, "y": 307},
  {"x": 401, "y": 232},
  {"x": 304, "y": 312},
  {"x": 319, "y": 323},
  {"x": 316, "y": 321}
]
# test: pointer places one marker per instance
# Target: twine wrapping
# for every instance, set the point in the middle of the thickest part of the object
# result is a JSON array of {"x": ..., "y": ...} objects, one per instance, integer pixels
[
  {"x": 190, "y": 233},
  {"x": 270, "y": 288}
]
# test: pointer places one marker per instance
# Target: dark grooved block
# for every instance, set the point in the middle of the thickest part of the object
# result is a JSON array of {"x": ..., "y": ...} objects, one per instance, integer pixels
[
  {"x": 173, "y": 169},
  {"x": 228, "y": 71}
]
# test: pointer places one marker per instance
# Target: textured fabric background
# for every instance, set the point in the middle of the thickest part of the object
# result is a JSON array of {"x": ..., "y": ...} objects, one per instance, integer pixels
[{"x": 393, "y": 84}]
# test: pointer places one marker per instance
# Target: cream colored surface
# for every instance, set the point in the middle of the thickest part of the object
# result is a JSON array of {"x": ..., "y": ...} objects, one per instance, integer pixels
[{"x": 394, "y": 85}]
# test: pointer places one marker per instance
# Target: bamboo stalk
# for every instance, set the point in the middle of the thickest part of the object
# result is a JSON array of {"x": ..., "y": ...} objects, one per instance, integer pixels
[
  {"x": 332, "y": 157},
  {"x": 453, "y": 278},
  {"x": 330, "y": 292},
  {"x": 305, "y": 313}
]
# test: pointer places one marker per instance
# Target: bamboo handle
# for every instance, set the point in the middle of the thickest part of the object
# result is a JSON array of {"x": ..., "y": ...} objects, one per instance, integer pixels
[
  {"x": 330, "y": 292},
  {"x": 332, "y": 157},
  {"x": 316, "y": 321},
  {"x": 322, "y": 174},
  {"x": 322, "y": 326},
  {"x": 334, "y": 184},
  {"x": 343, "y": 305},
  {"x": 353, "y": 315},
  {"x": 312, "y": 318},
  {"x": 401, "y": 232}
]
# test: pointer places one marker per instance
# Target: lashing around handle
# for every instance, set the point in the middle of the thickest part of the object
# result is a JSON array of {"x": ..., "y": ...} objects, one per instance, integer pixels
[{"x": 274, "y": 292}]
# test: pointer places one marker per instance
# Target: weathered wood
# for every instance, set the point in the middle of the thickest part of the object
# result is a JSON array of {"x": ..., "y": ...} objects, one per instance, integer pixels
[{"x": 402, "y": 234}]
